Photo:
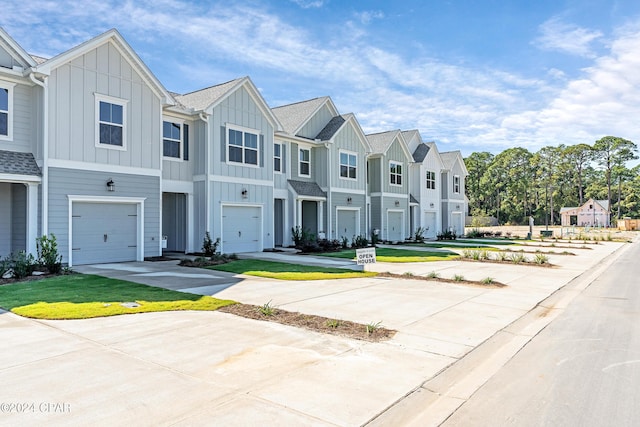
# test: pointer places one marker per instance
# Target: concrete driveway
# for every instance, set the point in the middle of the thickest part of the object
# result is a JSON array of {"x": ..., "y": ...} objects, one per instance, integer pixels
[{"x": 210, "y": 368}]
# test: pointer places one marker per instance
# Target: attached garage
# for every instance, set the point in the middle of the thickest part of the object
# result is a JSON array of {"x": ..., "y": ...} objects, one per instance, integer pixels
[
  {"x": 105, "y": 232},
  {"x": 347, "y": 224},
  {"x": 430, "y": 225},
  {"x": 395, "y": 231},
  {"x": 241, "y": 229}
]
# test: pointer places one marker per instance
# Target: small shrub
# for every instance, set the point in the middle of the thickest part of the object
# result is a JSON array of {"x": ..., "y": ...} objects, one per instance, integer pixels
[
  {"x": 48, "y": 255},
  {"x": 418, "y": 235},
  {"x": 296, "y": 236},
  {"x": 333, "y": 323},
  {"x": 502, "y": 256},
  {"x": 373, "y": 326},
  {"x": 209, "y": 247},
  {"x": 498, "y": 233},
  {"x": 374, "y": 239},
  {"x": 360, "y": 242},
  {"x": 408, "y": 274},
  {"x": 488, "y": 281},
  {"x": 446, "y": 235},
  {"x": 518, "y": 258},
  {"x": 5, "y": 265},
  {"x": 267, "y": 309},
  {"x": 345, "y": 242},
  {"x": 433, "y": 275},
  {"x": 508, "y": 234},
  {"x": 485, "y": 255},
  {"x": 541, "y": 259},
  {"x": 609, "y": 238},
  {"x": 475, "y": 234},
  {"x": 23, "y": 264},
  {"x": 467, "y": 253},
  {"x": 458, "y": 278}
]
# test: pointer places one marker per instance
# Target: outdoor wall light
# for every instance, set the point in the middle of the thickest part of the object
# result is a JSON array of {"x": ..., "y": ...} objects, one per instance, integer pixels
[
  {"x": 397, "y": 203},
  {"x": 430, "y": 205},
  {"x": 111, "y": 186},
  {"x": 349, "y": 200},
  {"x": 244, "y": 193},
  {"x": 457, "y": 206}
]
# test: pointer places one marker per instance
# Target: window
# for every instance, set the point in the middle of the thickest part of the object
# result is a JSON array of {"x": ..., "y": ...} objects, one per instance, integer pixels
[
  {"x": 395, "y": 173},
  {"x": 243, "y": 147},
  {"x": 171, "y": 139},
  {"x": 456, "y": 184},
  {"x": 305, "y": 162},
  {"x": 431, "y": 180},
  {"x": 348, "y": 165},
  {"x": 6, "y": 110},
  {"x": 277, "y": 157},
  {"x": 111, "y": 122}
]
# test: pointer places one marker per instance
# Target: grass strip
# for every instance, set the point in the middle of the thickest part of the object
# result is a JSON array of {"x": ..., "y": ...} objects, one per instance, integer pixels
[
  {"x": 399, "y": 255},
  {"x": 287, "y": 271}
]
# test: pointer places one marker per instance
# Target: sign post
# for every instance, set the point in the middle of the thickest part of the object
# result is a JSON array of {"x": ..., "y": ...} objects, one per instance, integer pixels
[{"x": 365, "y": 256}]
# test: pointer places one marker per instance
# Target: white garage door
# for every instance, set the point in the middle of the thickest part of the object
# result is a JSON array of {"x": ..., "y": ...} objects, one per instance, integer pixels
[
  {"x": 347, "y": 224},
  {"x": 456, "y": 223},
  {"x": 241, "y": 229},
  {"x": 430, "y": 225},
  {"x": 394, "y": 227},
  {"x": 104, "y": 232}
]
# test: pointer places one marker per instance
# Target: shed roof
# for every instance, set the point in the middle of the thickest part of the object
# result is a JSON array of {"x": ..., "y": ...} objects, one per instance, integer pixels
[
  {"x": 304, "y": 188},
  {"x": 15, "y": 163},
  {"x": 420, "y": 152}
]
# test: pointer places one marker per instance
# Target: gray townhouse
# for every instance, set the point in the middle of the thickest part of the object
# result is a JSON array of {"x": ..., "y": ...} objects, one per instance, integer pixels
[{"x": 94, "y": 149}]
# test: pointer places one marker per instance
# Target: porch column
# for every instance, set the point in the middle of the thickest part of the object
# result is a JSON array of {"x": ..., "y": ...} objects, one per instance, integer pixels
[
  {"x": 298, "y": 213},
  {"x": 32, "y": 217},
  {"x": 321, "y": 219}
]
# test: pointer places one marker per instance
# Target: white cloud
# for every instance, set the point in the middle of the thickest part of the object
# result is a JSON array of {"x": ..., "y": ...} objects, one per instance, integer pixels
[
  {"x": 369, "y": 15},
  {"x": 568, "y": 38},
  {"x": 308, "y": 4}
]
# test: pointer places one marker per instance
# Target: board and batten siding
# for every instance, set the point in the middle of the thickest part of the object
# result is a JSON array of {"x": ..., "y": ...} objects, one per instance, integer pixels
[
  {"x": 295, "y": 163},
  {"x": 240, "y": 109},
  {"x": 396, "y": 154},
  {"x": 25, "y": 113},
  {"x": 339, "y": 200},
  {"x": 347, "y": 140},
  {"x": 312, "y": 128},
  {"x": 7, "y": 60},
  {"x": 64, "y": 182},
  {"x": 72, "y": 109}
]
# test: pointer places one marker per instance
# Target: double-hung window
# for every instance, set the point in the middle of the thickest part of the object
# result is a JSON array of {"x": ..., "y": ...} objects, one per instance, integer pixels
[
  {"x": 111, "y": 122},
  {"x": 431, "y": 180},
  {"x": 395, "y": 173},
  {"x": 171, "y": 139},
  {"x": 305, "y": 162},
  {"x": 243, "y": 146},
  {"x": 6, "y": 110},
  {"x": 456, "y": 184},
  {"x": 348, "y": 165},
  {"x": 277, "y": 157}
]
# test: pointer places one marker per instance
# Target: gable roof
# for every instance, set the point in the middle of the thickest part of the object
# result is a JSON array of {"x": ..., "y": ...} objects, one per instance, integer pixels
[
  {"x": 381, "y": 142},
  {"x": 114, "y": 37},
  {"x": 294, "y": 116},
  {"x": 421, "y": 152},
  {"x": 331, "y": 128},
  {"x": 412, "y": 138},
  {"x": 337, "y": 123},
  {"x": 18, "y": 53},
  {"x": 449, "y": 158},
  {"x": 211, "y": 96}
]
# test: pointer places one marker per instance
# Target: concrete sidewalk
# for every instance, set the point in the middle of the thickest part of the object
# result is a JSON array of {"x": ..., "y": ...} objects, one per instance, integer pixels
[{"x": 195, "y": 368}]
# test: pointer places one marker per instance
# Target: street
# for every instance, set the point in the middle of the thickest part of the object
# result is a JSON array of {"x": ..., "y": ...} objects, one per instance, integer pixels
[{"x": 582, "y": 370}]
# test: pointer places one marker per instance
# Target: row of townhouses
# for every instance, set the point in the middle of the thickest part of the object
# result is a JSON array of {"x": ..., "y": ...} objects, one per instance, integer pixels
[{"x": 95, "y": 150}]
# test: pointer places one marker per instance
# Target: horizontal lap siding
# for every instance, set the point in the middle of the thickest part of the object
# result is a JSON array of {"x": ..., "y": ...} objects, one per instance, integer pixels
[
  {"x": 64, "y": 182},
  {"x": 339, "y": 200}
]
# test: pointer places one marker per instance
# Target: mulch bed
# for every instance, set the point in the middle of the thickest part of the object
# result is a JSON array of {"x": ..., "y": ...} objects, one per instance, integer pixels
[
  {"x": 497, "y": 261},
  {"x": 26, "y": 279},
  {"x": 311, "y": 322},
  {"x": 493, "y": 284}
]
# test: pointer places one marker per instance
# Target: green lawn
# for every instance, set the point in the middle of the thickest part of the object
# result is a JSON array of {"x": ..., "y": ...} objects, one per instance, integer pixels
[
  {"x": 399, "y": 255},
  {"x": 80, "y": 296},
  {"x": 491, "y": 243},
  {"x": 450, "y": 246},
  {"x": 286, "y": 271}
]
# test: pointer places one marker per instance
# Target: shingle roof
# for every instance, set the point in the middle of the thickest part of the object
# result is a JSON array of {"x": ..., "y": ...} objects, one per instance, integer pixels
[
  {"x": 331, "y": 128},
  {"x": 201, "y": 99},
  {"x": 15, "y": 163},
  {"x": 412, "y": 199},
  {"x": 604, "y": 204},
  {"x": 292, "y": 116},
  {"x": 303, "y": 188},
  {"x": 421, "y": 152},
  {"x": 380, "y": 142},
  {"x": 39, "y": 59}
]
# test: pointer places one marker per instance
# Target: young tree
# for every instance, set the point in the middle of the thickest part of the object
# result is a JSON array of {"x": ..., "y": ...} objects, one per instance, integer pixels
[{"x": 612, "y": 151}]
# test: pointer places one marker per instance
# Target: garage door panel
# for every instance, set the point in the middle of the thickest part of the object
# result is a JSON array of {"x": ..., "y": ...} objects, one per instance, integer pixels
[
  {"x": 394, "y": 232},
  {"x": 104, "y": 232},
  {"x": 241, "y": 229},
  {"x": 347, "y": 224}
]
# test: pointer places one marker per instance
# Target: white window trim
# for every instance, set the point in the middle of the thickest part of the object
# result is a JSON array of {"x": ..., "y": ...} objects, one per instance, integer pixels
[
  {"x": 277, "y": 157},
  {"x": 111, "y": 100},
  {"x": 432, "y": 181},
  {"x": 348, "y": 153},
  {"x": 178, "y": 122},
  {"x": 391, "y": 162},
  {"x": 456, "y": 177},
  {"x": 300, "y": 162},
  {"x": 229, "y": 128},
  {"x": 9, "y": 87}
]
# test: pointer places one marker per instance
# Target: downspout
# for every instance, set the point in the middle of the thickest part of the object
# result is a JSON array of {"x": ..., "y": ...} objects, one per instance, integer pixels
[
  {"x": 44, "y": 84},
  {"x": 330, "y": 184},
  {"x": 207, "y": 211}
]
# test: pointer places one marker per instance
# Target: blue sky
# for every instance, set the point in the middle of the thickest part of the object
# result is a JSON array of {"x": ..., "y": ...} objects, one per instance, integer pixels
[{"x": 470, "y": 75}]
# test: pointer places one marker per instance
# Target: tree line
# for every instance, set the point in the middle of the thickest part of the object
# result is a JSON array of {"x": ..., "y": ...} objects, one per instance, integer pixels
[{"x": 517, "y": 183}]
